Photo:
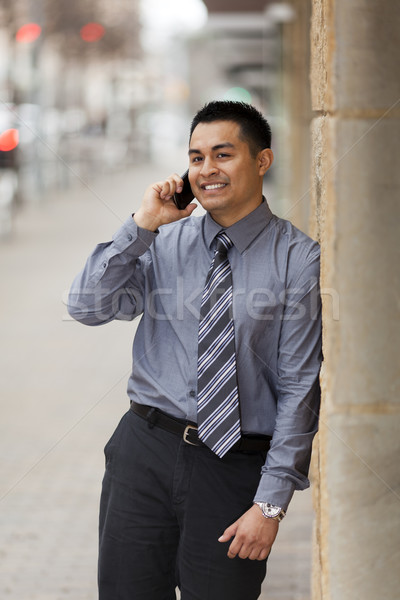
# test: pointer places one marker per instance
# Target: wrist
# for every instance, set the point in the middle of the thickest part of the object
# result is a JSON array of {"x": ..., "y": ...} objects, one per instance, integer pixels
[{"x": 145, "y": 221}]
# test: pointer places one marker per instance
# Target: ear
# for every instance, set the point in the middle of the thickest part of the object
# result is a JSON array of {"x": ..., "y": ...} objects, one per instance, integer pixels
[{"x": 265, "y": 159}]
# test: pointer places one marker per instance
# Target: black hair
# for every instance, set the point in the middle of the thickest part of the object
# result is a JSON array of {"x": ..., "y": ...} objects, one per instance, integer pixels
[{"x": 254, "y": 128}]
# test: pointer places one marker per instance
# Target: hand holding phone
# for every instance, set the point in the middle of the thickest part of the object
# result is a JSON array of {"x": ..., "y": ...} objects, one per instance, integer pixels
[
  {"x": 157, "y": 209},
  {"x": 185, "y": 197}
]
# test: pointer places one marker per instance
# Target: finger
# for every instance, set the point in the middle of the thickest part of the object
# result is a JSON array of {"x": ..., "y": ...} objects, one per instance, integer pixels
[
  {"x": 254, "y": 554},
  {"x": 245, "y": 552},
  {"x": 179, "y": 183},
  {"x": 229, "y": 532},
  {"x": 166, "y": 192},
  {"x": 168, "y": 189},
  {"x": 172, "y": 184},
  {"x": 157, "y": 187},
  {"x": 232, "y": 553},
  {"x": 235, "y": 548},
  {"x": 263, "y": 554}
]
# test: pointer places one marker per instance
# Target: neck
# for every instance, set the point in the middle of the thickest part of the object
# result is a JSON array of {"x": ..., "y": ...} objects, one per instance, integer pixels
[{"x": 232, "y": 217}]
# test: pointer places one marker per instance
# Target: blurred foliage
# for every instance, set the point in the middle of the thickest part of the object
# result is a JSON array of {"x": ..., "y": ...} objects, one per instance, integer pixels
[{"x": 62, "y": 20}]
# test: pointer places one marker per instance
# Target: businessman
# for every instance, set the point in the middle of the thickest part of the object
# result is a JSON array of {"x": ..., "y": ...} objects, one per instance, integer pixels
[{"x": 224, "y": 391}]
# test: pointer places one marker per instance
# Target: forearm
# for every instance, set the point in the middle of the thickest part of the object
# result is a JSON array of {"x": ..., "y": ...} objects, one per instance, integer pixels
[
  {"x": 297, "y": 390},
  {"x": 111, "y": 283},
  {"x": 287, "y": 464}
]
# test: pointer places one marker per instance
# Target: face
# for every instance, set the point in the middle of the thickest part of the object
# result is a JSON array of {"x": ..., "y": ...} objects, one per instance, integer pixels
[{"x": 224, "y": 176}]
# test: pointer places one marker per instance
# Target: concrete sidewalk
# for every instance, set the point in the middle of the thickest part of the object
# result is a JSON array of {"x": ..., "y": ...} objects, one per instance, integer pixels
[{"x": 63, "y": 392}]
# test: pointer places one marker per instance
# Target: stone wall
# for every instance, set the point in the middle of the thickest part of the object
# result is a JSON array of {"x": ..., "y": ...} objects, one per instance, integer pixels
[{"x": 355, "y": 205}]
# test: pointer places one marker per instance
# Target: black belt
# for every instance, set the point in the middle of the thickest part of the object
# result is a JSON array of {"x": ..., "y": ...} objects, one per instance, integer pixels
[{"x": 188, "y": 431}]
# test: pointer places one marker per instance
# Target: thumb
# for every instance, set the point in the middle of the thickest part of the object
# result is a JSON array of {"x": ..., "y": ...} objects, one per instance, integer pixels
[
  {"x": 229, "y": 532},
  {"x": 186, "y": 212}
]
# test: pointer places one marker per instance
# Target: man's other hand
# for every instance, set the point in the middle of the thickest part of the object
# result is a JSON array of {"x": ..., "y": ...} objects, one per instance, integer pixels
[{"x": 253, "y": 535}]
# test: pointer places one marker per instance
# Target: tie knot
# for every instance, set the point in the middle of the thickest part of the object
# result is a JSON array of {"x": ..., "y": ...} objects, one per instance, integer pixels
[{"x": 223, "y": 243}]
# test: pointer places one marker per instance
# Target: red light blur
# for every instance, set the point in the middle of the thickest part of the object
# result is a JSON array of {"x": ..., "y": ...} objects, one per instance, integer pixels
[
  {"x": 28, "y": 33},
  {"x": 92, "y": 32},
  {"x": 9, "y": 140}
]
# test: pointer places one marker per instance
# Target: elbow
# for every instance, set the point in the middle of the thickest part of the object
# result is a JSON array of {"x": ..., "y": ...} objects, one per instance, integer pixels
[
  {"x": 87, "y": 316},
  {"x": 92, "y": 311},
  {"x": 81, "y": 315},
  {"x": 83, "y": 312}
]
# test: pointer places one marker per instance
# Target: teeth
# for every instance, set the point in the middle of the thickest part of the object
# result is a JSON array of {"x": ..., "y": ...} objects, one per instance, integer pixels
[{"x": 215, "y": 186}]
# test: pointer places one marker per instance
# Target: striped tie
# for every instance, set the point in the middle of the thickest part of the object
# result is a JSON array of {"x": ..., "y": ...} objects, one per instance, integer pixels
[{"x": 218, "y": 397}]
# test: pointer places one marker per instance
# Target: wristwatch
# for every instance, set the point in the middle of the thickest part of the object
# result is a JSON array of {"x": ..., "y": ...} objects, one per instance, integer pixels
[{"x": 270, "y": 511}]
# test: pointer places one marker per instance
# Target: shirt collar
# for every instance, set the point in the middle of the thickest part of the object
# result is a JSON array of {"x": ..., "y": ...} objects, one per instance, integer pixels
[{"x": 243, "y": 232}]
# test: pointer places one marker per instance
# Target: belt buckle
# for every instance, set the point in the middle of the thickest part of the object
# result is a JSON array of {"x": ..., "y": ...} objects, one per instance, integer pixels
[{"x": 186, "y": 432}]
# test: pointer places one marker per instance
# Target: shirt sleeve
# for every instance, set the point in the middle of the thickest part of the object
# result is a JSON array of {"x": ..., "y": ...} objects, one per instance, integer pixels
[
  {"x": 297, "y": 389},
  {"x": 111, "y": 285}
]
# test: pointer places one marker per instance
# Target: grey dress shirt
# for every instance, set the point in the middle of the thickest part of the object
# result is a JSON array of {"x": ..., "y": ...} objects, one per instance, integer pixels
[{"x": 276, "y": 310}]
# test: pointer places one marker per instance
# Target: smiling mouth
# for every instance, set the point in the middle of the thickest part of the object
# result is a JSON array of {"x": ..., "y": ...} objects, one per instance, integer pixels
[{"x": 213, "y": 186}]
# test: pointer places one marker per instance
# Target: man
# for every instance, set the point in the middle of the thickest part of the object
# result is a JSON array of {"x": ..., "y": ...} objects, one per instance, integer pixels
[{"x": 224, "y": 387}]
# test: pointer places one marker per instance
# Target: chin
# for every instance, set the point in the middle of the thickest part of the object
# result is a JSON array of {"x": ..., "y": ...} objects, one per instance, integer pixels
[
  {"x": 211, "y": 205},
  {"x": 212, "y": 201}
]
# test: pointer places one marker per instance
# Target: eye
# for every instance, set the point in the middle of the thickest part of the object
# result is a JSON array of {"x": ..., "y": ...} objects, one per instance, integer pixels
[
  {"x": 196, "y": 159},
  {"x": 222, "y": 155}
]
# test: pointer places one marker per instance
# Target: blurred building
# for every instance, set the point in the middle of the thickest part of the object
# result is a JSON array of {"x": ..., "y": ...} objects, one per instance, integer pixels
[
  {"x": 73, "y": 80},
  {"x": 246, "y": 52}
]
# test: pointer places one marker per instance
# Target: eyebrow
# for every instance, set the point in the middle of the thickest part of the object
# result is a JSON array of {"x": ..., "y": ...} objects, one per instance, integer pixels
[{"x": 214, "y": 148}]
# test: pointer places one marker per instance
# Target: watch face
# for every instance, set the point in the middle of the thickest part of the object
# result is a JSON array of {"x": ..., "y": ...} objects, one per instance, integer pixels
[{"x": 270, "y": 510}]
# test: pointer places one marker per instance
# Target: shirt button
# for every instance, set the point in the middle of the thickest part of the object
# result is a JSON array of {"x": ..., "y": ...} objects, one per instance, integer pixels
[
  {"x": 104, "y": 265},
  {"x": 129, "y": 237},
  {"x": 192, "y": 394}
]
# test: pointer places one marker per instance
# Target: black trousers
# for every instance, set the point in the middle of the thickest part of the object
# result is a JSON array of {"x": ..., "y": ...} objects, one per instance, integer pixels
[{"x": 163, "y": 506}]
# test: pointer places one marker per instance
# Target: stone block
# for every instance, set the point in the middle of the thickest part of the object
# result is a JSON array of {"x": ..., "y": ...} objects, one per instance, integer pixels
[
  {"x": 355, "y": 199},
  {"x": 365, "y": 276},
  {"x": 354, "y": 56},
  {"x": 322, "y": 46},
  {"x": 362, "y": 495},
  {"x": 366, "y": 54}
]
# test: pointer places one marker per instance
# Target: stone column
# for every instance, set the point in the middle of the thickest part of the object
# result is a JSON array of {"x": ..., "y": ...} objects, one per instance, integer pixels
[{"x": 356, "y": 182}]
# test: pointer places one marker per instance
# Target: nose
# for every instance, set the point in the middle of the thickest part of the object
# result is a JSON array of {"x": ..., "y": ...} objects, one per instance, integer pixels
[{"x": 208, "y": 167}]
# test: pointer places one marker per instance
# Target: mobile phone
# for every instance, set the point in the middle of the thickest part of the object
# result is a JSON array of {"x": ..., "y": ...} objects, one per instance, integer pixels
[{"x": 186, "y": 195}]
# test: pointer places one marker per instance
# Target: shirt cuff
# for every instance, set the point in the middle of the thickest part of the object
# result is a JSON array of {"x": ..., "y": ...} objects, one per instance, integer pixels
[
  {"x": 275, "y": 490},
  {"x": 133, "y": 240}
]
